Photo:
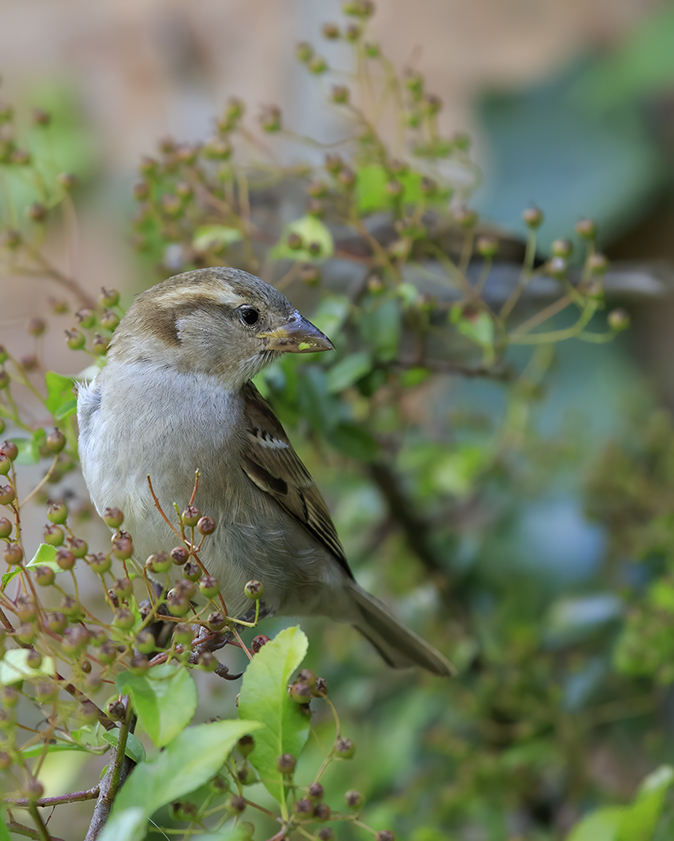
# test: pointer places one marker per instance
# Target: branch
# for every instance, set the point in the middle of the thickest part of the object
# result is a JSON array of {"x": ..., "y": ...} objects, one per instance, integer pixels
[
  {"x": 27, "y": 832},
  {"x": 119, "y": 768},
  {"x": 73, "y": 797}
]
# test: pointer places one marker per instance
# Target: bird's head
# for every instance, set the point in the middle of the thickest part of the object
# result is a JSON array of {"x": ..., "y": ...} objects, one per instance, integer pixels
[{"x": 220, "y": 321}]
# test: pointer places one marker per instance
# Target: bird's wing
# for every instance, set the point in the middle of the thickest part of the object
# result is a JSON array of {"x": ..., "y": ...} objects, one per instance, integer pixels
[{"x": 271, "y": 463}]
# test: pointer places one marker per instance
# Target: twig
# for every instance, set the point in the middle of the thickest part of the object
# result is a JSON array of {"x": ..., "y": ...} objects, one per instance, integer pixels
[
  {"x": 27, "y": 831},
  {"x": 118, "y": 770},
  {"x": 42, "y": 831},
  {"x": 73, "y": 797},
  {"x": 161, "y": 510}
]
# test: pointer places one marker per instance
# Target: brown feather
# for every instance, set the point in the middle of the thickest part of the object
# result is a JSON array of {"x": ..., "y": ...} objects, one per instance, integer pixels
[{"x": 271, "y": 463}]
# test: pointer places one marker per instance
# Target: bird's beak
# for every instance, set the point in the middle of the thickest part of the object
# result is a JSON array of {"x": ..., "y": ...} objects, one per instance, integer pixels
[{"x": 297, "y": 335}]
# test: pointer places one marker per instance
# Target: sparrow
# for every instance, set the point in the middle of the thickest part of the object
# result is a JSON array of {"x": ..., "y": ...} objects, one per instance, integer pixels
[{"x": 176, "y": 396}]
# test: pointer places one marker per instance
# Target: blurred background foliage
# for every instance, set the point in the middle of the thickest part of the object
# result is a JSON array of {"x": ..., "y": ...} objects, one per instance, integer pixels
[{"x": 513, "y": 502}]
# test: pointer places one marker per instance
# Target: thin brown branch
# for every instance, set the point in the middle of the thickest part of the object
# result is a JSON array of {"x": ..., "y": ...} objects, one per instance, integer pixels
[
  {"x": 72, "y": 797},
  {"x": 119, "y": 767},
  {"x": 27, "y": 831}
]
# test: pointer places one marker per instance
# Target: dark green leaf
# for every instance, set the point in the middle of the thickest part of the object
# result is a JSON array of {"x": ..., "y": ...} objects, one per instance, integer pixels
[
  {"x": 354, "y": 441},
  {"x": 134, "y": 747},
  {"x": 348, "y": 371},
  {"x": 65, "y": 410},
  {"x": 381, "y": 329},
  {"x": 185, "y": 764},
  {"x": 165, "y": 700},
  {"x": 602, "y": 825},
  {"x": 264, "y": 697},
  {"x": 59, "y": 390},
  {"x": 311, "y": 230}
]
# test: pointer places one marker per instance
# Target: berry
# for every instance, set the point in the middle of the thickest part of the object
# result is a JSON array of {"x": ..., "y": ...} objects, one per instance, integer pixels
[
  {"x": 286, "y": 763},
  {"x": 113, "y": 518},
  {"x": 344, "y": 748},
  {"x": 254, "y": 590}
]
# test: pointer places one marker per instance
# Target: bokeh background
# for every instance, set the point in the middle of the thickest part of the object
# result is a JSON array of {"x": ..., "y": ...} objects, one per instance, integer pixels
[{"x": 570, "y": 106}]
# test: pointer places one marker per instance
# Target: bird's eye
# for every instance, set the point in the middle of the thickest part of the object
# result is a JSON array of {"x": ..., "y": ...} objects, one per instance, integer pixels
[{"x": 249, "y": 315}]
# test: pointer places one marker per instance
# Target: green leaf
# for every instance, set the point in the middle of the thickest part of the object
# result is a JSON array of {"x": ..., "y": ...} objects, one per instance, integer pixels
[
  {"x": 134, "y": 747},
  {"x": 640, "y": 820},
  {"x": 59, "y": 747},
  {"x": 381, "y": 329},
  {"x": 215, "y": 236},
  {"x": 59, "y": 390},
  {"x": 371, "y": 192},
  {"x": 264, "y": 697},
  {"x": 345, "y": 372},
  {"x": 602, "y": 825},
  {"x": 187, "y": 763},
  {"x": 476, "y": 326},
  {"x": 165, "y": 700},
  {"x": 354, "y": 441},
  {"x": 4, "y": 832},
  {"x": 14, "y": 668},
  {"x": 65, "y": 410},
  {"x": 45, "y": 557},
  {"x": 331, "y": 314},
  {"x": 311, "y": 230}
]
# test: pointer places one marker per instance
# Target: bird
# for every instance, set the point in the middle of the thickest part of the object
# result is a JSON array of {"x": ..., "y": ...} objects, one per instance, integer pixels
[{"x": 176, "y": 396}]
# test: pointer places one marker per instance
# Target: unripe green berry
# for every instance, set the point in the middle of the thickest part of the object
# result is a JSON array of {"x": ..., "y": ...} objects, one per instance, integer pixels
[
  {"x": 26, "y": 633},
  {"x": 99, "y": 563},
  {"x": 315, "y": 792},
  {"x": 53, "y": 535},
  {"x": 207, "y": 661},
  {"x": 310, "y": 275},
  {"x": 317, "y": 65},
  {"x": 487, "y": 247},
  {"x": 301, "y": 693},
  {"x": 57, "y": 512},
  {"x": 109, "y": 320},
  {"x": 344, "y": 748},
  {"x": 86, "y": 318},
  {"x": 216, "y": 621},
  {"x": 322, "y": 812},
  {"x": 55, "y": 441},
  {"x": 562, "y": 248},
  {"x": 72, "y": 608},
  {"x": 9, "y": 697},
  {"x": 56, "y": 622},
  {"x": 533, "y": 217},
  {"x": 286, "y": 763},
  {"x": 178, "y": 604},
  {"x": 10, "y": 449},
  {"x": 586, "y": 229},
  {"x": 330, "y": 31},
  {"x": 597, "y": 264},
  {"x": 107, "y": 653},
  {"x": 254, "y": 590},
  {"x": 67, "y": 180},
  {"x": 122, "y": 546},
  {"x": 466, "y": 217},
  {"x": 5, "y": 379},
  {"x": 46, "y": 692},
  {"x": 5, "y": 528},
  {"x": 304, "y": 806},
  {"x": 13, "y": 553},
  {"x": 179, "y": 555},
  {"x": 206, "y": 525},
  {"x": 7, "y": 494},
  {"x": 109, "y": 297},
  {"x": 116, "y": 710},
  {"x": 192, "y": 571},
  {"x": 44, "y": 576},
  {"x": 236, "y": 804},
  {"x": 558, "y": 267},
  {"x": 245, "y": 745},
  {"x": 100, "y": 344},
  {"x": 340, "y": 94},
  {"x": 65, "y": 558},
  {"x": 304, "y": 52},
  {"x": 333, "y": 164},
  {"x": 190, "y": 516},
  {"x": 619, "y": 319},
  {"x": 385, "y": 835},
  {"x": 158, "y": 563},
  {"x": 124, "y": 619},
  {"x": 138, "y": 665},
  {"x": 74, "y": 339},
  {"x": 78, "y": 546},
  {"x": 209, "y": 586},
  {"x": 354, "y": 799}
]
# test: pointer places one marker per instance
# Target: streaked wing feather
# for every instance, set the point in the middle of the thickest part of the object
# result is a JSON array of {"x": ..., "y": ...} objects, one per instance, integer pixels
[{"x": 271, "y": 463}]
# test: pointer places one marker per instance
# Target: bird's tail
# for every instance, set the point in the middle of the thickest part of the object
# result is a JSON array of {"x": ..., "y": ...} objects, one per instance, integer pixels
[{"x": 399, "y": 647}]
